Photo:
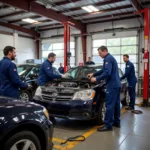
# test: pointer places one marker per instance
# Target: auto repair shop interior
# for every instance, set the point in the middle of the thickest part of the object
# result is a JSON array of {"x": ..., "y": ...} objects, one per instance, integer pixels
[{"x": 68, "y": 111}]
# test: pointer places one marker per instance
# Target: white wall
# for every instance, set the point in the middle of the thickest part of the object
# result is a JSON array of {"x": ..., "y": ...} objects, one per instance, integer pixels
[
  {"x": 26, "y": 47},
  {"x": 130, "y": 23}
]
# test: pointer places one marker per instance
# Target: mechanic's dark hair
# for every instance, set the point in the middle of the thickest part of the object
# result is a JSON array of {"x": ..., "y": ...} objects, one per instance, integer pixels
[
  {"x": 89, "y": 57},
  {"x": 103, "y": 48},
  {"x": 8, "y": 49},
  {"x": 51, "y": 55},
  {"x": 126, "y": 55}
]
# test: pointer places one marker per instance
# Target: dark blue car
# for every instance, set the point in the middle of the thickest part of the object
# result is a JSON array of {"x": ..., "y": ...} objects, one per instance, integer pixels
[
  {"x": 24, "y": 126},
  {"x": 76, "y": 97}
]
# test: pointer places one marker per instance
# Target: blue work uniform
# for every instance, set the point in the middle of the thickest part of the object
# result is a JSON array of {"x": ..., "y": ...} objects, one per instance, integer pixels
[
  {"x": 9, "y": 79},
  {"x": 132, "y": 80},
  {"x": 110, "y": 73},
  {"x": 46, "y": 73},
  {"x": 61, "y": 70},
  {"x": 89, "y": 63}
]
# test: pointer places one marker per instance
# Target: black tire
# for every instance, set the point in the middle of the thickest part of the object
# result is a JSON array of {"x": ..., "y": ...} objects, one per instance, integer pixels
[
  {"x": 99, "y": 116},
  {"x": 125, "y": 102},
  {"x": 26, "y": 93},
  {"x": 28, "y": 135}
]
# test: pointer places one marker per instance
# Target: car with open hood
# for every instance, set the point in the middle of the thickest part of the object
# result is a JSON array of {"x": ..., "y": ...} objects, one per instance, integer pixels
[{"x": 76, "y": 97}]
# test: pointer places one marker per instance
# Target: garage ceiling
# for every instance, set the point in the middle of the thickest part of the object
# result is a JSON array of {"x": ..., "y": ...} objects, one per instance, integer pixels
[{"x": 50, "y": 13}]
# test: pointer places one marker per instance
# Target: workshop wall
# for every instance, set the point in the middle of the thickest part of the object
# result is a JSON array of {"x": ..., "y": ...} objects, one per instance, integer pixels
[{"x": 25, "y": 46}]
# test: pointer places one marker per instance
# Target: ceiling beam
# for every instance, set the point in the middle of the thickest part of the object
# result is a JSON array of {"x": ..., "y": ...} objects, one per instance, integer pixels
[
  {"x": 4, "y": 7},
  {"x": 60, "y": 27},
  {"x": 18, "y": 28},
  {"x": 18, "y": 20},
  {"x": 105, "y": 10},
  {"x": 136, "y": 6},
  {"x": 12, "y": 14},
  {"x": 66, "y": 2},
  {"x": 96, "y": 4},
  {"x": 109, "y": 16},
  {"x": 41, "y": 10},
  {"x": 115, "y": 19},
  {"x": 51, "y": 25}
]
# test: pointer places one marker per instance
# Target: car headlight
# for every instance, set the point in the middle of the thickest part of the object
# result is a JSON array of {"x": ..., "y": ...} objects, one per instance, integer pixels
[
  {"x": 46, "y": 113},
  {"x": 84, "y": 95},
  {"x": 38, "y": 92}
]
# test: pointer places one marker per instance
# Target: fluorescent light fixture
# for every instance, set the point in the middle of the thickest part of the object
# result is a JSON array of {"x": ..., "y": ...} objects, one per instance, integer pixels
[
  {"x": 29, "y": 20},
  {"x": 87, "y": 9},
  {"x": 93, "y": 8},
  {"x": 90, "y": 8}
]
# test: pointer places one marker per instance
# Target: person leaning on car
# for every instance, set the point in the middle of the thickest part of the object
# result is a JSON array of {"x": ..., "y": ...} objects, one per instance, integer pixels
[
  {"x": 132, "y": 80},
  {"x": 46, "y": 73},
  {"x": 9, "y": 79},
  {"x": 111, "y": 75}
]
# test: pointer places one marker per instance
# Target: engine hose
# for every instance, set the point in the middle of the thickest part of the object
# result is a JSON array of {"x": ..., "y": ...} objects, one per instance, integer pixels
[{"x": 73, "y": 139}]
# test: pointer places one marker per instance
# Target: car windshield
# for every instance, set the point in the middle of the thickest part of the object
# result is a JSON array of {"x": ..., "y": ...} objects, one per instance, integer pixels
[
  {"x": 24, "y": 70},
  {"x": 82, "y": 72}
]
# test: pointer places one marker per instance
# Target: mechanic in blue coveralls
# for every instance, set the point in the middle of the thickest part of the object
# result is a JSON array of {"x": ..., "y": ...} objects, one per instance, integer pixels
[
  {"x": 46, "y": 73},
  {"x": 132, "y": 80},
  {"x": 61, "y": 69},
  {"x": 9, "y": 79},
  {"x": 111, "y": 75}
]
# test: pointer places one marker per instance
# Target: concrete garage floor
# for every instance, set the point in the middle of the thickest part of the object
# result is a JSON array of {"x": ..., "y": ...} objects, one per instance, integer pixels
[{"x": 133, "y": 135}]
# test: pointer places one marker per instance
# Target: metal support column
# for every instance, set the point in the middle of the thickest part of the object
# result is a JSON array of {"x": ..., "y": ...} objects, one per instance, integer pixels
[
  {"x": 146, "y": 12},
  {"x": 83, "y": 39},
  {"x": 67, "y": 44}
]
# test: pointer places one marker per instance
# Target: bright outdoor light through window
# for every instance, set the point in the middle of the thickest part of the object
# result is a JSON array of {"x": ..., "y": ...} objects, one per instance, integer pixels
[
  {"x": 90, "y": 8},
  {"x": 29, "y": 20}
]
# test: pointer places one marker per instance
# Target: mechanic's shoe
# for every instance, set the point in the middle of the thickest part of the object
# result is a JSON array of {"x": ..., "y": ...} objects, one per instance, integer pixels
[
  {"x": 129, "y": 108},
  {"x": 116, "y": 125},
  {"x": 103, "y": 129}
]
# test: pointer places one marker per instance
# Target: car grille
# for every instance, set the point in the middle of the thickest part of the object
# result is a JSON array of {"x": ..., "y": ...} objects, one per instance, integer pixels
[{"x": 60, "y": 96}]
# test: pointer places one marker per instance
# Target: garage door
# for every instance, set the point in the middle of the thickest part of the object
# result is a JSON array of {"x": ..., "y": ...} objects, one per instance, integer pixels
[
  {"x": 58, "y": 49},
  {"x": 117, "y": 46}
]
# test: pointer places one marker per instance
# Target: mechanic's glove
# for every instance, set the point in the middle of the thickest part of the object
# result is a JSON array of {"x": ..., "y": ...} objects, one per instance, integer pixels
[
  {"x": 65, "y": 76},
  {"x": 90, "y": 75}
]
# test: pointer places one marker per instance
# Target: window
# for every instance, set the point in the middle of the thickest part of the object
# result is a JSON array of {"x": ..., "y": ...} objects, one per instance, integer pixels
[
  {"x": 118, "y": 47},
  {"x": 58, "y": 49}
]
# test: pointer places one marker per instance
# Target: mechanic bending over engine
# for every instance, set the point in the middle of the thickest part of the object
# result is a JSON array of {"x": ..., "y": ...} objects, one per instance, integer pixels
[
  {"x": 9, "y": 79},
  {"x": 46, "y": 71},
  {"x": 111, "y": 75},
  {"x": 132, "y": 80}
]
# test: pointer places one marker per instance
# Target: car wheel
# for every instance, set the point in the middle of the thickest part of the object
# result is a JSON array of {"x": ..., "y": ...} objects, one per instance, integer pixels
[
  {"x": 125, "y": 102},
  {"x": 101, "y": 113},
  {"x": 24, "y": 140},
  {"x": 25, "y": 95}
]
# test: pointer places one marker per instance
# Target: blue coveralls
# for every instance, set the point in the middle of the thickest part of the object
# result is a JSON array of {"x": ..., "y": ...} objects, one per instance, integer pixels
[
  {"x": 9, "y": 79},
  {"x": 61, "y": 70},
  {"x": 90, "y": 63},
  {"x": 46, "y": 73},
  {"x": 132, "y": 80},
  {"x": 111, "y": 75}
]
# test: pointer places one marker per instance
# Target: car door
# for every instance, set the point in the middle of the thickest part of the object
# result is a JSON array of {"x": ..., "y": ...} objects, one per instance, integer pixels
[{"x": 123, "y": 86}]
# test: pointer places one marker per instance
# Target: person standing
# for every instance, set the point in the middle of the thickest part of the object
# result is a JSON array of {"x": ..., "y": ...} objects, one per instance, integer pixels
[
  {"x": 9, "y": 78},
  {"x": 89, "y": 62},
  {"x": 111, "y": 75},
  {"x": 132, "y": 80},
  {"x": 61, "y": 69},
  {"x": 46, "y": 73}
]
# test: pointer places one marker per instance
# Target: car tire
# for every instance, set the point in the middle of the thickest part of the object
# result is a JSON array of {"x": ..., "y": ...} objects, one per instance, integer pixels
[
  {"x": 100, "y": 113},
  {"x": 25, "y": 95},
  {"x": 125, "y": 102},
  {"x": 24, "y": 137}
]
